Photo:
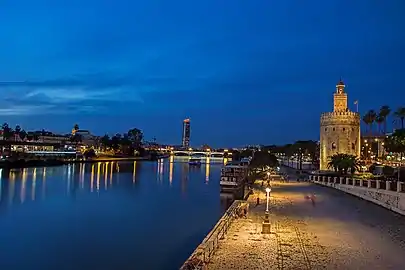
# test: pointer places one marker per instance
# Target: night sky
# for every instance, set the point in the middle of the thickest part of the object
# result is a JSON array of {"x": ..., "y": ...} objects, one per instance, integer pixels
[{"x": 245, "y": 72}]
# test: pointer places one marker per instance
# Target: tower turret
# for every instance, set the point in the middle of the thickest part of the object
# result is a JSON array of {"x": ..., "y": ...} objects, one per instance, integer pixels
[{"x": 340, "y": 98}]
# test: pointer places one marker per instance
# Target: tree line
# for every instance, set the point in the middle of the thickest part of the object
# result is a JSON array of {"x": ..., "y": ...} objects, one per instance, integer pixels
[{"x": 380, "y": 119}]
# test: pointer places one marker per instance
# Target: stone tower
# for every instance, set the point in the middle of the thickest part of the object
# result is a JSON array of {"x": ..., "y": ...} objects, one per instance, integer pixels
[{"x": 340, "y": 129}]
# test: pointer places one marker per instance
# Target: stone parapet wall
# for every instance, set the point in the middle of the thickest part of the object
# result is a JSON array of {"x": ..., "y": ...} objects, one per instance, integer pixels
[{"x": 390, "y": 195}]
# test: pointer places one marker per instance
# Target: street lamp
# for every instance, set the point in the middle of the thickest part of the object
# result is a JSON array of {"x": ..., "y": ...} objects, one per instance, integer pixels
[
  {"x": 268, "y": 177},
  {"x": 266, "y": 222},
  {"x": 268, "y": 197}
]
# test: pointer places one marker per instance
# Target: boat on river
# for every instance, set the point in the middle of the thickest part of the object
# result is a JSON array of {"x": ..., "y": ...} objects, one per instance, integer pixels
[
  {"x": 194, "y": 162},
  {"x": 233, "y": 175}
]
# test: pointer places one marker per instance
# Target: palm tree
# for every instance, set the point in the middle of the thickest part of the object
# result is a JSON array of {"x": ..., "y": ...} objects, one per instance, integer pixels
[
  {"x": 372, "y": 115},
  {"x": 366, "y": 120},
  {"x": 344, "y": 162},
  {"x": 379, "y": 120},
  {"x": 400, "y": 113},
  {"x": 384, "y": 112}
]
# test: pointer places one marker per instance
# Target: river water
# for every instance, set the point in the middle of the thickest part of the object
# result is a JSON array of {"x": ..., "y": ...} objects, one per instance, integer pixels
[{"x": 108, "y": 215}]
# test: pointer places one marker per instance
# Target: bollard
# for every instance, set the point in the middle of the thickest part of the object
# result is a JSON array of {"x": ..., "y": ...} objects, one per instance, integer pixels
[
  {"x": 341, "y": 180},
  {"x": 361, "y": 182},
  {"x": 388, "y": 185},
  {"x": 369, "y": 183},
  {"x": 378, "y": 184},
  {"x": 399, "y": 186}
]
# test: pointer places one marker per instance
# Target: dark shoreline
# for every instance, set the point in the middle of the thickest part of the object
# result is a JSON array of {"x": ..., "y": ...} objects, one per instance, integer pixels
[{"x": 20, "y": 164}]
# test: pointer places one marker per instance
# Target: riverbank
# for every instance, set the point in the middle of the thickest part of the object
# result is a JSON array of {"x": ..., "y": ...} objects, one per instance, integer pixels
[
  {"x": 338, "y": 231},
  {"x": 22, "y": 163}
]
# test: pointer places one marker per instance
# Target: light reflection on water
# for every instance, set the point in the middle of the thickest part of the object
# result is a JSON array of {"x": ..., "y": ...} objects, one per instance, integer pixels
[{"x": 123, "y": 212}]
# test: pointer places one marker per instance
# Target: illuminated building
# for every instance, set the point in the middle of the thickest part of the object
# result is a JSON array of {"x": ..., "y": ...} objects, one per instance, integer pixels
[
  {"x": 185, "y": 142},
  {"x": 340, "y": 129}
]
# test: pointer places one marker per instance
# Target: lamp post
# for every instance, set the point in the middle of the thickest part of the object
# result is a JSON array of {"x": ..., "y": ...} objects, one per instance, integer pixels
[
  {"x": 267, "y": 197},
  {"x": 266, "y": 222}
]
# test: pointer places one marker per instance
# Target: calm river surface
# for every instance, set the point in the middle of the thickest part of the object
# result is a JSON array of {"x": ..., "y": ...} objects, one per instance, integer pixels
[{"x": 109, "y": 215}]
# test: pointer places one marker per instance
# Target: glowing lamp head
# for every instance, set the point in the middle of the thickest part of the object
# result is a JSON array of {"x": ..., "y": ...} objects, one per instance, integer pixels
[
  {"x": 268, "y": 190},
  {"x": 268, "y": 173}
]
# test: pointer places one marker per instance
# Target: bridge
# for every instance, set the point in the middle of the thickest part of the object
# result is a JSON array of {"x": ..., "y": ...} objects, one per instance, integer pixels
[{"x": 197, "y": 153}]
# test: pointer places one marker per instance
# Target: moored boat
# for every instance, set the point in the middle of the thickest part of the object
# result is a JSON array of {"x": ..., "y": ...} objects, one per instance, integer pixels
[
  {"x": 194, "y": 162},
  {"x": 233, "y": 175}
]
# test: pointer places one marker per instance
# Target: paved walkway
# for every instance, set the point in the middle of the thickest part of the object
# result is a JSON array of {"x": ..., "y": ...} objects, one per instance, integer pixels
[{"x": 338, "y": 232}]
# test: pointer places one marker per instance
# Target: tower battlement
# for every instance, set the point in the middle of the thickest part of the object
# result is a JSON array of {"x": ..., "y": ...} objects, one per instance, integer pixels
[{"x": 337, "y": 118}]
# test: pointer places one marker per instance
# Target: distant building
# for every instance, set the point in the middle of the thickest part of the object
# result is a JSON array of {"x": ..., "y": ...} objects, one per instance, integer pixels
[
  {"x": 340, "y": 129},
  {"x": 185, "y": 142},
  {"x": 86, "y": 137}
]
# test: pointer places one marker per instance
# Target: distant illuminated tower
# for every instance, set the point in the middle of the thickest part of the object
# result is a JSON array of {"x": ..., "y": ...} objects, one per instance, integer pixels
[
  {"x": 185, "y": 142},
  {"x": 340, "y": 129}
]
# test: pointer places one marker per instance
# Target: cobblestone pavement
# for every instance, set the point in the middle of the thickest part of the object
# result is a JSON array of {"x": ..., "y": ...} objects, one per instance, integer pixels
[{"x": 339, "y": 231}]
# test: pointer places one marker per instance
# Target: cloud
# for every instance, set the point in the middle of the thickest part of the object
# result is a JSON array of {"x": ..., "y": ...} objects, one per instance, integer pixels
[{"x": 69, "y": 95}]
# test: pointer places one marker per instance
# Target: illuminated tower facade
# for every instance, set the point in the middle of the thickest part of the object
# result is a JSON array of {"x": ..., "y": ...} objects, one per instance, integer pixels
[
  {"x": 185, "y": 141},
  {"x": 340, "y": 129}
]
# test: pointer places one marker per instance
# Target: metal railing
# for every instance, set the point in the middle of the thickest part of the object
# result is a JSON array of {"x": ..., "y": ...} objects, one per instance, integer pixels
[{"x": 203, "y": 253}]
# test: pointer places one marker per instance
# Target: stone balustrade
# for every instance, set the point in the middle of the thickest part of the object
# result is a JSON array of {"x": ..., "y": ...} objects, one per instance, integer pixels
[{"x": 388, "y": 194}]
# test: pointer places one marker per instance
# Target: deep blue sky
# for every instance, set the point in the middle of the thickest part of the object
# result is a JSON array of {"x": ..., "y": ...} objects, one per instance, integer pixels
[{"x": 257, "y": 71}]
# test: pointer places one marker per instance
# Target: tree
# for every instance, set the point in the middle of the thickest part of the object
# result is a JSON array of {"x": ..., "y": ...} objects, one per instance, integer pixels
[
  {"x": 384, "y": 112},
  {"x": 7, "y": 131},
  {"x": 400, "y": 113},
  {"x": 135, "y": 136},
  {"x": 23, "y": 135},
  {"x": 344, "y": 162},
  {"x": 105, "y": 141},
  {"x": 379, "y": 120},
  {"x": 246, "y": 153},
  {"x": 89, "y": 153},
  {"x": 369, "y": 119},
  {"x": 236, "y": 155},
  {"x": 127, "y": 145},
  {"x": 115, "y": 142},
  {"x": 263, "y": 159},
  {"x": 366, "y": 121},
  {"x": 395, "y": 143}
]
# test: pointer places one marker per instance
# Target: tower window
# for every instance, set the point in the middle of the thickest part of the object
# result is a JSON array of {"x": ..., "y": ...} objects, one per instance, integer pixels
[
  {"x": 352, "y": 129},
  {"x": 333, "y": 129},
  {"x": 353, "y": 146},
  {"x": 326, "y": 129},
  {"x": 344, "y": 129}
]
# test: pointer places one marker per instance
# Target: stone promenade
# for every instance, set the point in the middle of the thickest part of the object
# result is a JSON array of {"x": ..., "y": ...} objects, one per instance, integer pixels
[{"x": 339, "y": 231}]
